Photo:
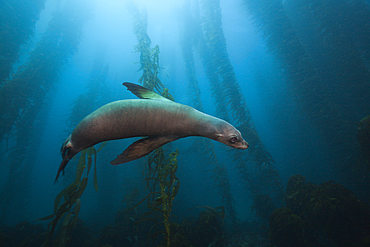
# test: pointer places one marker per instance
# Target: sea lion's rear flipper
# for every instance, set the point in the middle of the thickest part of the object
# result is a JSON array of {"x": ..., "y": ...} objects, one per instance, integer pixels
[
  {"x": 141, "y": 148},
  {"x": 143, "y": 92},
  {"x": 61, "y": 168}
]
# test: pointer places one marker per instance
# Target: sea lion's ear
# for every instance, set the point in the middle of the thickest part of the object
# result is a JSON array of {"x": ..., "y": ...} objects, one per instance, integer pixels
[{"x": 219, "y": 134}]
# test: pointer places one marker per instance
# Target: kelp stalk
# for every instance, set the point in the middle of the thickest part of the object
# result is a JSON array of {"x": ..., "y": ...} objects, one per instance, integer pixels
[
  {"x": 217, "y": 59},
  {"x": 160, "y": 171},
  {"x": 22, "y": 98},
  {"x": 204, "y": 146}
]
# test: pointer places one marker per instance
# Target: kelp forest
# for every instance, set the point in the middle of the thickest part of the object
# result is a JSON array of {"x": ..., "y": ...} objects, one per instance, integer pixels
[{"x": 293, "y": 77}]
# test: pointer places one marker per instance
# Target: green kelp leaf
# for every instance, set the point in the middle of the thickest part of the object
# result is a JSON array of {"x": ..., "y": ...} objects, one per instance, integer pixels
[
  {"x": 72, "y": 190},
  {"x": 221, "y": 211},
  {"x": 76, "y": 211},
  {"x": 176, "y": 188},
  {"x": 64, "y": 192},
  {"x": 160, "y": 200},
  {"x": 65, "y": 228},
  {"x": 292, "y": 195},
  {"x": 167, "y": 94},
  {"x": 156, "y": 234},
  {"x": 81, "y": 165},
  {"x": 151, "y": 158},
  {"x": 90, "y": 152},
  {"x": 155, "y": 179},
  {"x": 81, "y": 189},
  {"x": 128, "y": 210},
  {"x": 65, "y": 207},
  {"x": 153, "y": 227},
  {"x": 95, "y": 181},
  {"x": 49, "y": 217},
  {"x": 101, "y": 146},
  {"x": 174, "y": 154},
  {"x": 155, "y": 209},
  {"x": 58, "y": 198},
  {"x": 49, "y": 225},
  {"x": 53, "y": 224}
]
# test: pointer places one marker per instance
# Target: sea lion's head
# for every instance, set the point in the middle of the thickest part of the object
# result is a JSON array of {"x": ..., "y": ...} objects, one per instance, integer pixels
[{"x": 231, "y": 137}]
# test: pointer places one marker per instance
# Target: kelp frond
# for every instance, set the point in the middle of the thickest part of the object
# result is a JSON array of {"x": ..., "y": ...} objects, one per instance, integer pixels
[{"x": 68, "y": 200}]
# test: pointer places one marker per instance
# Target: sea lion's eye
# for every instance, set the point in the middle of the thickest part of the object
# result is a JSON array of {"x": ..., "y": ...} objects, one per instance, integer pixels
[{"x": 233, "y": 139}]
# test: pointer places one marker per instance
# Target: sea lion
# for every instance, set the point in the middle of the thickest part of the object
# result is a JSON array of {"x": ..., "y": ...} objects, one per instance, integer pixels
[{"x": 157, "y": 118}]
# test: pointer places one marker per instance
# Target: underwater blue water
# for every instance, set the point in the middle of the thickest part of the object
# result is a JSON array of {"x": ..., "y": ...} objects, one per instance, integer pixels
[
  {"x": 112, "y": 31},
  {"x": 294, "y": 143}
]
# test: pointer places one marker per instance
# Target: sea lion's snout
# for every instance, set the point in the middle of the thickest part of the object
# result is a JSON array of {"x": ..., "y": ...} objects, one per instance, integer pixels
[
  {"x": 244, "y": 145},
  {"x": 233, "y": 138},
  {"x": 240, "y": 143}
]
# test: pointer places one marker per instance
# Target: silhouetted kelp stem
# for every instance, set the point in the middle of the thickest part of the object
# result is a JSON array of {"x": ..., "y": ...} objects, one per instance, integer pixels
[
  {"x": 37, "y": 75},
  {"x": 149, "y": 57},
  {"x": 89, "y": 101},
  {"x": 84, "y": 105},
  {"x": 21, "y": 161},
  {"x": 161, "y": 180},
  {"x": 221, "y": 182},
  {"x": 329, "y": 38},
  {"x": 195, "y": 38},
  {"x": 17, "y": 24},
  {"x": 310, "y": 89},
  {"x": 26, "y": 92},
  {"x": 263, "y": 178},
  {"x": 95, "y": 96},
  {"x": 191, "y": 32},
  {"x": 341, "y": 29},
  {"x": 333, "y": 36}
]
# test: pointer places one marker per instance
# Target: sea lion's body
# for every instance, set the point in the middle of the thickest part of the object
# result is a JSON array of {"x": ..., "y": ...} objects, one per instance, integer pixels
[
  {"x": 134, "y": 118},
  {"x": 158, "y": 119}
]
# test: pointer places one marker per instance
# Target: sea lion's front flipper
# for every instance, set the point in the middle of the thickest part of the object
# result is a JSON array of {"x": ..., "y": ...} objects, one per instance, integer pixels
[
  {"x": 141, "y": 148},
  {"x": 143, "y": 92}
]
